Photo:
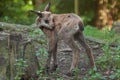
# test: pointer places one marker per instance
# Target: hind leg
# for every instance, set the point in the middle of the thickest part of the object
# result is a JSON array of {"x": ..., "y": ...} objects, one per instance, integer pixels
[
  {"x": 80, "y": 38},
  {"x": 75, "y": 50}
]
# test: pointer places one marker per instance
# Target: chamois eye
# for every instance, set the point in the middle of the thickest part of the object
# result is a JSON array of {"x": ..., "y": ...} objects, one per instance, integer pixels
[{"x": 46, "y": 21}]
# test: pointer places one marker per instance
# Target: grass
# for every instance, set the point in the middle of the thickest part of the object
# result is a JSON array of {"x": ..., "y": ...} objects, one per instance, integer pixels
[{"x": 106, "y": 35}]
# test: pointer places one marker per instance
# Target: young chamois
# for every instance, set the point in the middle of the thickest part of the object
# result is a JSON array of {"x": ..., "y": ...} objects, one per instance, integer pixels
[{"x": 67, "y": 27}]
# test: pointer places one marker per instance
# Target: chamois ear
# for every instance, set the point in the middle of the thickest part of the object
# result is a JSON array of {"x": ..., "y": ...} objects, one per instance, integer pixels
[
  {"x": 37, "y": 12},
  {"x": 47, "y": 8}
]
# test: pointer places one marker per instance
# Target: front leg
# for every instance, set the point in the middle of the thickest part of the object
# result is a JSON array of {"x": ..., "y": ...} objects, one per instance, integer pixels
[
  {"x": 47, "y": 66},
  {"x": 52, "y": 48},
  {"x": 50, "y": 52},
  {"x": 55, "y": 65}
]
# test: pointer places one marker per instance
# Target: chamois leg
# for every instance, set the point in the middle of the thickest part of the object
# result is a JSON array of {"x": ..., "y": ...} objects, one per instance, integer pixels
[
  {"x": 76, "y": 51},
  {"x": 80, "y": 38},
  {"x": 52, "y": 52},
  {"x": 54, "y": 58},
  {"x": 51, "y": 44},
  {"x": 47, "y": 66}
]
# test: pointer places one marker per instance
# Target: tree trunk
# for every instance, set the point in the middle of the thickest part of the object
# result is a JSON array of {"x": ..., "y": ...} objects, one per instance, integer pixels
[
  {"x": 113, "y": 12},
  {"x": 102, "y": 11},
  {"x": 76, "y": 6},
  {"x": 107, "y": 13}
]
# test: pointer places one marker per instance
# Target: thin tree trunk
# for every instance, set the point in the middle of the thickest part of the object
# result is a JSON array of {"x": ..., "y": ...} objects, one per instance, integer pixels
[
  {"x": 37, "y": 3},
  {"x": 76, "y": 6}
]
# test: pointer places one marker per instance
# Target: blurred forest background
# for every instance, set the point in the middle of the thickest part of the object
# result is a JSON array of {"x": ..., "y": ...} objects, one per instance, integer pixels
[{"x": 99, "y": 13}]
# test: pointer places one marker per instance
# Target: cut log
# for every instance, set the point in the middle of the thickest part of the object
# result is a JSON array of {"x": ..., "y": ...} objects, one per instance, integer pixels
[{"x": 15, "y": 27}]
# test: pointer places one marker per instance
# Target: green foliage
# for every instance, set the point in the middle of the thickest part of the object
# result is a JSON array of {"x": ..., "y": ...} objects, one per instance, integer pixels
[
  {"x": 62, "y": 4},
  {"x": 20, "y": 67},
  {"x": 87, "y": 17},
  {"x": 34, "y": 32},
  {"x": 42, "y": 53},
  {"x": 116, "y": 57},
  {"x": 59, "y": 79},
  {"x": 40, "y": 72},
  {"x": 115, "y": 75},
  {"x": 87, "y": 9},
  {"x": 15, "y": 11},
  {"x": 38, "y": 35},
  {"x": 106, "y": 59},
  {"x": 110, "y": 61},
  {"x": 76, "y": 74},
  {"x": 92, "y": 75}
]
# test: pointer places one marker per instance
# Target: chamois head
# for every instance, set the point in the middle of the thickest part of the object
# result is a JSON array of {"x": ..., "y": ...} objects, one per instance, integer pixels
[{"x": 44, "y": 19}]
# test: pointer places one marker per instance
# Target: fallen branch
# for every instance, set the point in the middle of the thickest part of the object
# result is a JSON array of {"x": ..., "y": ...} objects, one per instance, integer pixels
[
  {"x": 64, "y": 76},
  {"x": 65, "y": 50},
  {"x": 98, "y": 41},
  {"x": 92, "y": 39}
]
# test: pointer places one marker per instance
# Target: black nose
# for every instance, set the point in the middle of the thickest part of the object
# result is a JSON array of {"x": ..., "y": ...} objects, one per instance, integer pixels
[{"x": 46, "y": 21}]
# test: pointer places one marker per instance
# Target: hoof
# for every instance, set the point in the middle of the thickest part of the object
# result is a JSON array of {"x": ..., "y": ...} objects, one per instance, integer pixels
[
  {"x": 94, "y": 67},
  {"x": 54, "y": 68},
  {"x": 70, "y": 74},
  {"x": 46, "y": 70}
]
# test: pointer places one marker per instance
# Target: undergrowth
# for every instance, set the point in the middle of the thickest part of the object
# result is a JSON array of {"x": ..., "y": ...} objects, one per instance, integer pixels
[{"x": 108, "y": 67}]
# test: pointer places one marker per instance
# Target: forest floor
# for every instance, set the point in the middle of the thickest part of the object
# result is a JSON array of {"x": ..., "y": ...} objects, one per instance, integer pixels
[{"x": 65, "y": 58}]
